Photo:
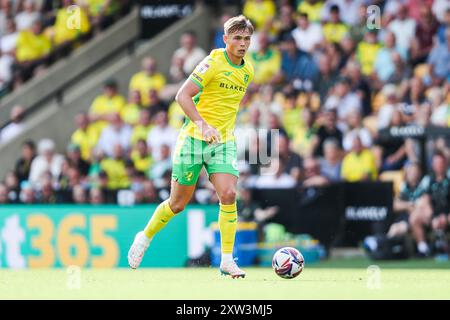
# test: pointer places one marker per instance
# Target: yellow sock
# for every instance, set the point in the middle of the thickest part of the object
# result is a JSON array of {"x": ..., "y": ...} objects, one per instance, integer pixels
[
  {"x": 227, "y": 226},
  {"x": 159, "y": 219}
]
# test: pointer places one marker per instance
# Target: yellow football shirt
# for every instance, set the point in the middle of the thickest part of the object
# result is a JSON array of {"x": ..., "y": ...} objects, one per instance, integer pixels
[
  {"x": 355, "y": 167},
  {"x": 70, "y": 24},
  {"x": 335, "y": 32},
  {"x": 87, "y": 140},
  {"x": 259, "y": 12},
  {"x": 31, "y": 47},
  {"x": 223, "y": 85},
  {"x": 144, "y": 83},
  {"x": 116, "y": 172},
  {"x": 266, "y": 65},
  {"x": 103, "y": 105},
  {"x": 367, "y": 54}
]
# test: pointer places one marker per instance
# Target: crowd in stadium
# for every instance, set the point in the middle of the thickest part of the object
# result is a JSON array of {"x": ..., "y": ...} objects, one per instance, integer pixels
[
  {"x": 328, "y": 76},
  {"x": 36, "y": 33}
]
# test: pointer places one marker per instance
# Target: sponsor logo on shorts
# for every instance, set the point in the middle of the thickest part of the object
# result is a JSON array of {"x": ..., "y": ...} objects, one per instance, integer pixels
[{"x": 188, "y": 175}]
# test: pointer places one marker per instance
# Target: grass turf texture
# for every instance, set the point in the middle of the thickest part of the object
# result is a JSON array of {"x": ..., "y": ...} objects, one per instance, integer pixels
[{"x": 340, "y": 279}]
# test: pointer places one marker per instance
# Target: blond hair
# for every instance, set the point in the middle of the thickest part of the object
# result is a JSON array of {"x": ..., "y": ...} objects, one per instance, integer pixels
[{"x": 238, "y": 23}]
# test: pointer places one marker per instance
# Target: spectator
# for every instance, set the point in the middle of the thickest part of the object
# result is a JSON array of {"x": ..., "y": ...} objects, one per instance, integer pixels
[
  {"x": 406, "y": 201},
  {"x": 101, "y": 12},
  {"x": 334, "y": 29},
  {"x": 305, "y": 135},
  {"x": 422, "y": 42},
  {"x": 292, "y": 161},
  {"x": 104, "y": 106},
  {"x": 266, "y": 61},
  {"x": 359, "y": 164},
  {"x": 384, "y": 64},
  {"x": 343, "y": 100},
  {"x": 79, "y": 195},
  {"x": 23, "y": 165},
  {"x": 46, "y": 161},
  {"x": 433, "y": 207},
  {"x": 246, "y": 131},
  {"x": 75, "y": 160},
  {"x": 15, "y": 127},
  {"x": 46, "y": 194},
  {"x": 275, "y": 177},
  {"x": 96, "y": 196},
  {"x": 313, "y": 174},
  {"x": 391, "y": 153},
  {"x": 13, "y": 185},
  {"x": 85, "y": 136},
  {"x": 329, "y": 129},
  {"x": 403, "y": 27},
  {"x": 28, "y": 16},
  {"x": 4, "y": 199},
  {"x": 33, "y": 52},
  {"x": 161, "y": 134},
  {"x": 327, "y": 77},
  {"x": 330, "y": 164},
  {"x": 439, "y": 60},
  {"x": 308, "y": 36},
  {"x": 260, "y": 12},
  {"x": 27, "y": 194},
  {"x": 218, "y": 33},
  {"x": 141, "y": 157},
  {"x": 284, "y": 24},
  {"x": 141, "y": 130},
  {"x": 356, "y": 129},
  {"x": 116, "y": 133},
  {"x": 6, "y": 75},
  {"x": 360, "y": 85},
  {"x": 130, "y": 112},
  {"x": 189, "y": 52},
  {"x": 64, "y": 35},
  {"x": 298, "y": 68},
  {"x": 313, "y": 8},
  {"x": 160, "y": 168},
  {"x": 367, "y": 52},
  {"x": 8, "y": 41},
  {"x": 115, "y": 169},
  {"x": 148, "y": 78},
  {"x": 349, "y": 8}
]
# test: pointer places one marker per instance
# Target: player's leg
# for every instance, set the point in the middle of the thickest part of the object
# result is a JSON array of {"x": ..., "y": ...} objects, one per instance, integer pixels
[
  {"x": 221, "y": 165},
  {"x": 225, "y": 185},
  {"x": 180, "y": 196},
  {"x": 419, "y": 218},
  {"x": 185, "y": 171}
]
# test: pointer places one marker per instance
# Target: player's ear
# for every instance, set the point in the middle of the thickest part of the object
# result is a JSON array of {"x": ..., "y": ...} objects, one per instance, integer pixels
[{"x": 225, "y": 38}]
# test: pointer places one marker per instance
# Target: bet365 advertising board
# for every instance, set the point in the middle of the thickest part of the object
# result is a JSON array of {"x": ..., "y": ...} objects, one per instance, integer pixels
[{"x": 97, "y": 236}]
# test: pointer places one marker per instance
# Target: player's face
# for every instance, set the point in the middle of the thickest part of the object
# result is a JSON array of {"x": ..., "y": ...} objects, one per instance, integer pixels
[{"x": 238, "y": 42}]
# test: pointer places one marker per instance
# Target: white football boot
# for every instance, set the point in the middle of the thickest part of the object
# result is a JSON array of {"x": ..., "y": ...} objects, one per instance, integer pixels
[
  {"x": 137, "y": 250},
  {"x": 230, "y": 268}
]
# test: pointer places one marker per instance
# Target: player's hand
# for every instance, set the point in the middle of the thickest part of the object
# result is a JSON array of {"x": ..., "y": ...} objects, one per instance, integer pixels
[{"x": 211, "y": 135}]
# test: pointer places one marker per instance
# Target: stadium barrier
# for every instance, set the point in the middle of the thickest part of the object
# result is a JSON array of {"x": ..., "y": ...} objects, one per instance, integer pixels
[{"x": 41, "y": 236}]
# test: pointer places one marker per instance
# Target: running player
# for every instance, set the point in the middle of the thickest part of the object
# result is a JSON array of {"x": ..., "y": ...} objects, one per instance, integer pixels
[{"x": 210, "y": 98}]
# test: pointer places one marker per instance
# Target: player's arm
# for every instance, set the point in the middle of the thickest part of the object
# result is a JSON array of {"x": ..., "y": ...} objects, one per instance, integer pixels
[{"x": 184, "y": 99}]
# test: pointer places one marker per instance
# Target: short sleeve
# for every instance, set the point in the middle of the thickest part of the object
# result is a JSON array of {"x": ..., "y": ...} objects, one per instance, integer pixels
[{"x": 204, "y": 72}]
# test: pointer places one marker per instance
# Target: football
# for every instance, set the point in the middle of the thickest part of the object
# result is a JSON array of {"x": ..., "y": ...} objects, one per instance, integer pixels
[{"x": 288, "y": 262}]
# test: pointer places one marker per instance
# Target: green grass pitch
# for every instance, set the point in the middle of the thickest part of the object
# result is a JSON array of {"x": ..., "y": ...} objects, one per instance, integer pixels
[{"x": 326, "y": 280}]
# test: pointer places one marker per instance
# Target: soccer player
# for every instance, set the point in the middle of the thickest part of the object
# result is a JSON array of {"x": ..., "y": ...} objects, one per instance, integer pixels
[{"x": 210, "y": 98}]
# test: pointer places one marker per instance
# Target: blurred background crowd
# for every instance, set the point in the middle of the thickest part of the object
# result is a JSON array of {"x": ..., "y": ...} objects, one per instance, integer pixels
[{"x": 329, "y": 76}]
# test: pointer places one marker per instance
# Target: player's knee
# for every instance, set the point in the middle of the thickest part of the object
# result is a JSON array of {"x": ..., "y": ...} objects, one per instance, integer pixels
[
  {"x": 176, "y": 206},
  {"x": 228, "y": 196}
]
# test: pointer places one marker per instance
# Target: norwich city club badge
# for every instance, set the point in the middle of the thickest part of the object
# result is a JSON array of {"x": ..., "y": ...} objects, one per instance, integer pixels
[{"x": 246, "y": 78}]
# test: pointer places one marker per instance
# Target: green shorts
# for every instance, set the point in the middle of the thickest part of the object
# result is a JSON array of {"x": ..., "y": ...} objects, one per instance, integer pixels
[{"x": 191, "y": 154}]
